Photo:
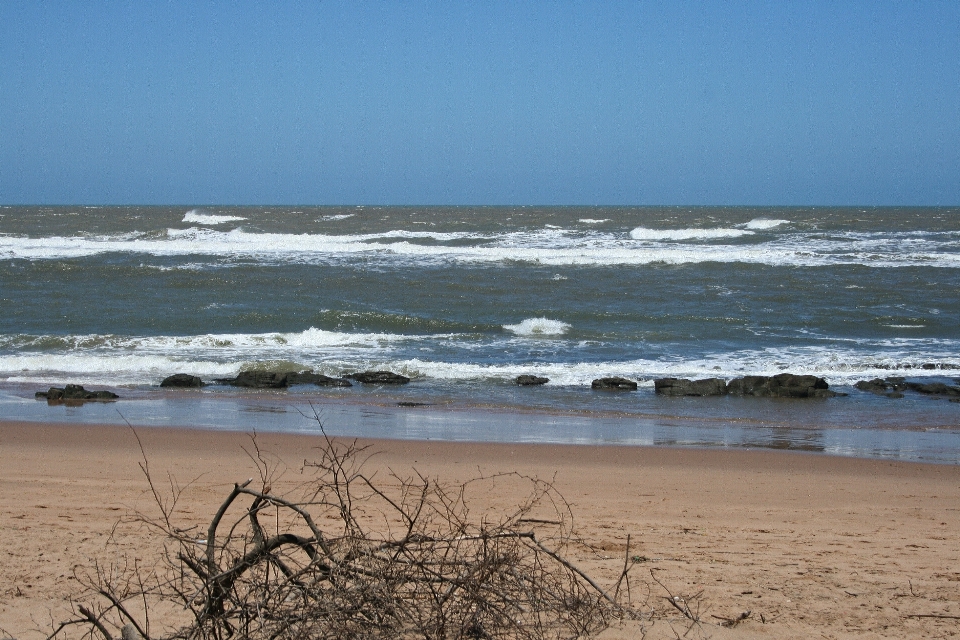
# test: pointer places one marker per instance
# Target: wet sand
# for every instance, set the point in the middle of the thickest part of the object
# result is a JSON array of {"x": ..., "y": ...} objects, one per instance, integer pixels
[{"x": 812, "y": 545}]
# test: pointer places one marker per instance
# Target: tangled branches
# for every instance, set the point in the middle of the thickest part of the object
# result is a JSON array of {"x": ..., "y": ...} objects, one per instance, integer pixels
[{"x": 353, "y": 556}]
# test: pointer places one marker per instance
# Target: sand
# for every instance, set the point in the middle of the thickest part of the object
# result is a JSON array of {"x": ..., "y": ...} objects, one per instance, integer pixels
[{"x": 814, "y": 546}]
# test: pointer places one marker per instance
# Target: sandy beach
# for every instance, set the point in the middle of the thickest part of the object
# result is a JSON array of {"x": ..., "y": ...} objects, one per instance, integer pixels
[{"x": 813, "y": 546}]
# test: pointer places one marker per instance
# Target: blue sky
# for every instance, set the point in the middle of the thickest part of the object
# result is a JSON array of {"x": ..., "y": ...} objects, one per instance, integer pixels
[{"x": 793, "y": 103}]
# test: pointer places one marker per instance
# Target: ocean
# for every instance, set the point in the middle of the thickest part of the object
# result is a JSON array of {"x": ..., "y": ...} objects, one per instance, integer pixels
[{"x": 464, "y": 299}]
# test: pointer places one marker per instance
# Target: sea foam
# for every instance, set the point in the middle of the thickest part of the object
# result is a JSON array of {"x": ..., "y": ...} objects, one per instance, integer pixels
[
  {"x": 764, "y": 223},
  {"x": 538, "y": 327},
  {"x": 642, "y": 233},
  {"x": 196, "y": 217},
  {"x": 555, "y": 247}
]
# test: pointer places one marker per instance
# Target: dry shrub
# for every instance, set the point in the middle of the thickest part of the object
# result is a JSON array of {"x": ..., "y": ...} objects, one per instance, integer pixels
[{"x": 350, "y": 555}]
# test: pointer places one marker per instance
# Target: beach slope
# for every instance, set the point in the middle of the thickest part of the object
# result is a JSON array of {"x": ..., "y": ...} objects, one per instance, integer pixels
[{"x": 812, "y": 546}]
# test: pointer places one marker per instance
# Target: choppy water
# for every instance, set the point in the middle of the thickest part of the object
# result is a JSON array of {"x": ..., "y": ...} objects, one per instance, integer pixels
[{"x": 464, "y": 299}]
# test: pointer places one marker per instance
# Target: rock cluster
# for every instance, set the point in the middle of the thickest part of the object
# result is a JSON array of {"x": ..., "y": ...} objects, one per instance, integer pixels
[
  {"x": 784, "y": 385},
  {"x": 281, "y": 380},
  {"x": 74, "y": 392},
  {"x": 894, "y": 386}
]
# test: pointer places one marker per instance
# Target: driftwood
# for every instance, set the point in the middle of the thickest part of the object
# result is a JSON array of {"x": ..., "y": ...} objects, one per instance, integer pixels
[{"x": 349, "y": 555}]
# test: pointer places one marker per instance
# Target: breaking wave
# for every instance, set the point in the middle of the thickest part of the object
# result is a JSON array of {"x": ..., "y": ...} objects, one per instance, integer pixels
[{"x": 195, "y": 217}]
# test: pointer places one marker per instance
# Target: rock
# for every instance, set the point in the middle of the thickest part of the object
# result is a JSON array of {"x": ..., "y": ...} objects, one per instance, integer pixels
[
  {"x": 309, "y": 377},
  {"x": 784, "y": 385},
  {"x": 614, "y": 384},
  {"x": 182, "y": 380},
  {"x": 876, "y": 386},
  {"x": 326, "y": 381},
  {"x": 280, "y": 380},
  {"x": 73, "y": 392},
  {"x": 934, "y": 389},
  {"x": 379, "y": 377},
  {"x": 414, "y": 404},
  {"x": 530, "y": 381},
  {"x": 684, "y": 387},
  {"x": 260, "y": 380},
  {"x": 879, "y": 387},
  {"x": 301, "y": 377}
]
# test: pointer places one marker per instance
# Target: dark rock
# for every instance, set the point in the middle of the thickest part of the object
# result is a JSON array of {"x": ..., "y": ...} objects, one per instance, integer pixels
[
  {"x": 530, "y": 381},
  {"x": 302, "y": 377},
  {"x": 326, "y": 381},
  {"x": 881, "y": 387},
  {"x": 614, "y": 384},
  {"x": 260, "y": 380},
  {"x": 684, "y": 387},
  {"x": 784, "y": 385},
  {"x": 876, "y": 386},
  {"x": 414, "y": 404},
  {"x": 73, "y": 393},
  {"x": 309, "y": 377},
  {"x": 182, "y": 380},
  {"x": 379, "y": 377},
  {"x": 934, "y": 389}
]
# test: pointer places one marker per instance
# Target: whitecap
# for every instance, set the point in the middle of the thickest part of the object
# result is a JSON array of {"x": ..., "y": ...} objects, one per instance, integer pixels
[
  {"x": 197, "y": 217},
  {"x": 538, "y": 327},
  {"x": 642, "y": 233},
  {"x": 764, "y": 223},
  {"x": 593, "y": 220}
]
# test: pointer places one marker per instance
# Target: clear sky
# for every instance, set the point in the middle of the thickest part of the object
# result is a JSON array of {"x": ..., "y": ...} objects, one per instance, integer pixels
[{"x": 480, "y": 102}]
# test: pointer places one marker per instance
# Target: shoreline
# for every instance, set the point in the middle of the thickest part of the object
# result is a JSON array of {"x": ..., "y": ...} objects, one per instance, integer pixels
[
  {"x": 919, "y": 429},
  {"x": 819, "y": 545}
]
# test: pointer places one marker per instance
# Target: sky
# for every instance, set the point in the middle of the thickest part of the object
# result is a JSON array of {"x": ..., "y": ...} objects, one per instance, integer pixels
[{"x": 509, "y": 103}]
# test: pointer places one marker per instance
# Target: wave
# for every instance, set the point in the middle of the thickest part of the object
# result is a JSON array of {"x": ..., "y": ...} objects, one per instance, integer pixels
[
  {"x": 115, "y": 360},
  {"x": 195, "y": 216},
  {"x": 311, "y": 338},
  {"x": 538, "y": 327},
  {"x": 642, "y": 233},
  {"x": 555, "y": 247},
  {"x": 764, "y": 223}
]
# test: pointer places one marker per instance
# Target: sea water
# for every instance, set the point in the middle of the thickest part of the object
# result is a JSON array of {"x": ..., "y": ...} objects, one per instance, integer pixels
[{"x": 464, "y": 299}]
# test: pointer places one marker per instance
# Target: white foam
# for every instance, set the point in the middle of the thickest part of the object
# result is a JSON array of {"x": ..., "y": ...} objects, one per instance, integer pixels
[
  {"x": 764, "y": 223},
  {"x": 538, "y": 327},
  {"x": 657, "y": 235},
  {"x": 555, "y": 247},
  {"x": 342, "y": 216},
  {"x": 593, "y": 220},
  {"x": 196, "y": 217}
]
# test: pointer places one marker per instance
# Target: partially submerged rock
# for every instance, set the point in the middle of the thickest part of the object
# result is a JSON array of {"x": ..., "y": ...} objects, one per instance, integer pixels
[
  {"x": 889, "y": 388},
  {"x": 614, "y": 383},
  {"x": 74, "y": 393},
  {"x": 934, "y": 389},
  {"x": 318, "y": 379},
  {"x": 784, "y": 385},
  {"x": 379, "y": 377},
  {"x": 182, "y": 381},
  {"x": 326, "y": 381},
  {"x": 684, "y": 387},
  {"x": 261, "y": 380},
  {"x": 527, "y": 380}
]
